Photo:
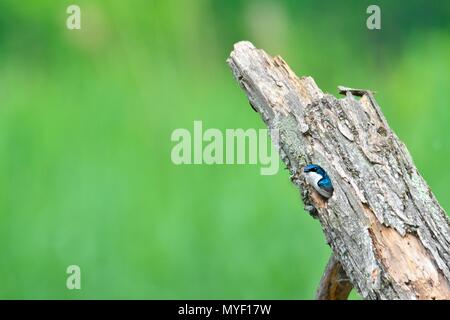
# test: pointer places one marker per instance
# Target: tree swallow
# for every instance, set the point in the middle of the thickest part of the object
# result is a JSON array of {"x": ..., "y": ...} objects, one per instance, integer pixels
[{"x": 318, "y": 178}]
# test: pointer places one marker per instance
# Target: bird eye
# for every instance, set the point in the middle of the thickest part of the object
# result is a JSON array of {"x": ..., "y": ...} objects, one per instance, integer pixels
[{"x": 311, "y": 168}]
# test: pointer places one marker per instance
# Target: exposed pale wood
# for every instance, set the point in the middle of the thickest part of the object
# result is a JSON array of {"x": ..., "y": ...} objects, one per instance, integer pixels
[{"x": 383, "y": 223}]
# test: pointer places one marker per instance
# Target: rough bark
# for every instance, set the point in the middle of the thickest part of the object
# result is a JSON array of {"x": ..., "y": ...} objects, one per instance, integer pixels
[{"x": 383, "y": 223}]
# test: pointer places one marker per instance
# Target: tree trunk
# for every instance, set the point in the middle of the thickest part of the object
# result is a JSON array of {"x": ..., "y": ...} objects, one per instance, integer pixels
[{"x": 383, "y": 223}]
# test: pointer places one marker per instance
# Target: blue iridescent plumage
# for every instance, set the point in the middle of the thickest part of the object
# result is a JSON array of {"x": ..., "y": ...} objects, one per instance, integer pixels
[{"x": 319, "y": 179}]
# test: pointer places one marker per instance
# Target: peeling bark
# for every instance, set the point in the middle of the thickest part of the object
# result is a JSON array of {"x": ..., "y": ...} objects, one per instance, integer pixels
[{"x": 383, "y": 223}]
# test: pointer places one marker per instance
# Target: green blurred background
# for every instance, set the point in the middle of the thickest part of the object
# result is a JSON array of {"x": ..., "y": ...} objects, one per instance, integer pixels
[{"x": 85, "y": 122}]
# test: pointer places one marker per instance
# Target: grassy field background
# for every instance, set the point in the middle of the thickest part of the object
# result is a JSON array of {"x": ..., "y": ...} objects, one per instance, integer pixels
[{"x": 85, "y": 122}]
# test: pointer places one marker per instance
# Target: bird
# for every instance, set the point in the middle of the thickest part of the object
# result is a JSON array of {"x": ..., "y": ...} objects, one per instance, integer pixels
[{"x": 319, "y": 180}]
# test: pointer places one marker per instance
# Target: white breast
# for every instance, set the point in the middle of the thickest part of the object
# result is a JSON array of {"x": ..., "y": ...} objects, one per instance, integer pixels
[{"x": 313, "y": 178}]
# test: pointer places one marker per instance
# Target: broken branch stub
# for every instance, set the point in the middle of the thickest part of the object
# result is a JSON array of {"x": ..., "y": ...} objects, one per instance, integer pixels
[
  {"x": 334, "y": 284},
  {"x": 383, "y": 223}
]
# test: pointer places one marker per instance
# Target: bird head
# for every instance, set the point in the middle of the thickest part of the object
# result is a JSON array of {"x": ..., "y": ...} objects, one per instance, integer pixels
[
  {"x": 314, "y": 168},
  {"x": 318, "y": 179}
]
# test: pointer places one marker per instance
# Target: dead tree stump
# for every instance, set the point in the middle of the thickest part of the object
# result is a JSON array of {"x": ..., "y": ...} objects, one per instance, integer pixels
[{"x": 383, "y": 223}]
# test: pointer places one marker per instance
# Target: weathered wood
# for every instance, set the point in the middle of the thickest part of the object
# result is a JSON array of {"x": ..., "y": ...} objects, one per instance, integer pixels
[
  {"x": 353, "y": 91},
  {"x": 383, "y": 223},
  {"x": 335, "y": 284}
]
